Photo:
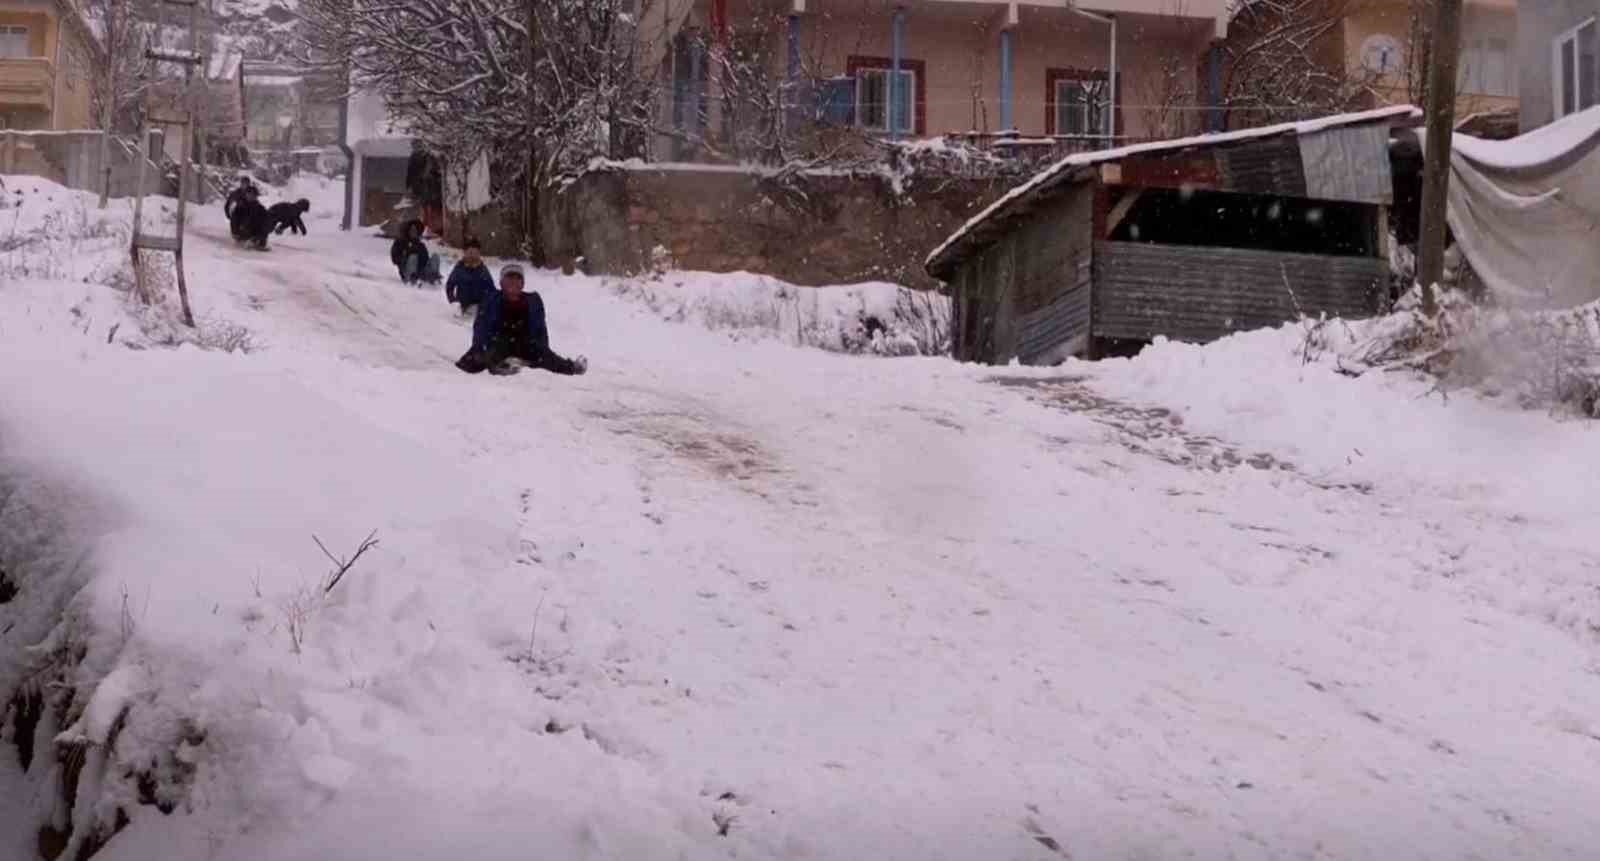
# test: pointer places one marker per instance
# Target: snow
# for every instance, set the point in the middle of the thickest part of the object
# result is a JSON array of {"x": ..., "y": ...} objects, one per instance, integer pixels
[
  {"x": 273, "y": 80},
  {"x": 1538, "y": 147},
  {"x": 848, "y": 606},
  {"x": 1085, "y": 159},
  {"x": 880, "y": 318}
]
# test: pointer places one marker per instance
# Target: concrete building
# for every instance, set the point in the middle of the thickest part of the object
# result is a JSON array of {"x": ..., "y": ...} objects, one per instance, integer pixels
[
  {"x": 379, "y": 150},
  {"x": 1557, "y": 72},
  {"x": 48, "y": 55},
  {"x": 924, "y": 68},
  {"x": 1375, "y": 38}
]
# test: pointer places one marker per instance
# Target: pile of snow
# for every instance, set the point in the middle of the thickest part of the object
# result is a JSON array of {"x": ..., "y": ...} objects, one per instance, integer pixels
[
  {"x": 50, "y": 231},
  {"x": 877, "y": 318}
]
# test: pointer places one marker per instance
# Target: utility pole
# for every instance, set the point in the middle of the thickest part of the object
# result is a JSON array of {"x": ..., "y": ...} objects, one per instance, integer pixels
[
  {"x": 108, "y": 104},
  {"x": 535, "y": 239},
  {"x": 1441, "y": 118}
]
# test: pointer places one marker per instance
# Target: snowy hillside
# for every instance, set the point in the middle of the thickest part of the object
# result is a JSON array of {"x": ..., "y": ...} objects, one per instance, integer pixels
[{"x": 729, "y": 597}]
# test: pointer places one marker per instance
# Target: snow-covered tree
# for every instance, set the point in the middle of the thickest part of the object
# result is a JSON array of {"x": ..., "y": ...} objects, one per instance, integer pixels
[{"x": 1283, "y": 62}]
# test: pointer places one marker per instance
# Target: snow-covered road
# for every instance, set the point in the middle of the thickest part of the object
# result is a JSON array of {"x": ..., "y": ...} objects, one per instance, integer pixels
[{"x": 732, "y": 599}]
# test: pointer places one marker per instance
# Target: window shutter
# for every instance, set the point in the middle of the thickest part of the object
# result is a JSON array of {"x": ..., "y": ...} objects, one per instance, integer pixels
[{"x": 836, "y": 101}]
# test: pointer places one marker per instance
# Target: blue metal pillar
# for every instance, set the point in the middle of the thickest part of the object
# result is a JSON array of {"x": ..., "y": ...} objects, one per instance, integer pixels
[
  {"x": 1005, "y": 81},
  {"x": 894, "y": 71},
  {"x": 1215, "y": 120}
]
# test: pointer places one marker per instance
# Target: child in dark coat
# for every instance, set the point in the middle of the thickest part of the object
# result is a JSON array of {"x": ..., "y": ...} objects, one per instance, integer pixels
[
  {"x": 410, "y": 256},
  {"x": 286, "y": 216},
  {"x": 470, "y": 281},
  {"x": 511, "y": 325}
]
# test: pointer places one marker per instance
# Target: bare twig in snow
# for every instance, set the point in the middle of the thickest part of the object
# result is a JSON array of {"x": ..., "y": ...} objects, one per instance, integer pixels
[{"x": 342, "y": 566}]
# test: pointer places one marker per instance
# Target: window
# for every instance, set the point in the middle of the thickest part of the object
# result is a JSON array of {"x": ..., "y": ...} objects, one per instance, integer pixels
[
  {"x": 1576, "y": 69},
  {"x": 1076, "y": 102},
  {"x": 14, "y": 42},
  {"x": 872, "y": 100},
  {"x": 1486, "y": 68},
  {"x": 873, "y": 78}
]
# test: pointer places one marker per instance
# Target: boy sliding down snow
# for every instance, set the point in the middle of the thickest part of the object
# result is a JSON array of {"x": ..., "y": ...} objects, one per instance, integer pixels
[
  {"x": 511, "y": 325},
  {"x": 470, "y": 282},
  {"x": 286, "y": 216},
  {"x": 411, "y": 258}
]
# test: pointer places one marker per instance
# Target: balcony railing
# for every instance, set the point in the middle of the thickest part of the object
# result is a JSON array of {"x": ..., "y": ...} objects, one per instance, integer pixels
[{"x": 28, "y": 81}]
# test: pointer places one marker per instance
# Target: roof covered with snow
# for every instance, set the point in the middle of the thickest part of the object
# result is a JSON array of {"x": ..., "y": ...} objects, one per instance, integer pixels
[{"x": 971, "y": 236}]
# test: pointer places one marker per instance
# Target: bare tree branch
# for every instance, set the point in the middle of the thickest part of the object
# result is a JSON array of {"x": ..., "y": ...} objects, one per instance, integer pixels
[{"x": 342, "y": 566}]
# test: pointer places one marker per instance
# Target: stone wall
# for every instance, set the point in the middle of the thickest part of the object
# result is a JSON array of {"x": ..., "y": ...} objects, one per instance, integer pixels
[
  {"x": 72, "y": 158},
  {"x": 811, "y": 229}
]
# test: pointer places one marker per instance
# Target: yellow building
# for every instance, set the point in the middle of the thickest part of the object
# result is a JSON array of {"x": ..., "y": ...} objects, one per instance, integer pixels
[
  {"x": 1378, "y": 43},
  {"x": 48, "y": 56}
]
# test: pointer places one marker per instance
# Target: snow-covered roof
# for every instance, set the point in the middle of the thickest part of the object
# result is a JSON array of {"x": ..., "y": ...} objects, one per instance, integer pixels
[{"x": 1070, "y": 166}]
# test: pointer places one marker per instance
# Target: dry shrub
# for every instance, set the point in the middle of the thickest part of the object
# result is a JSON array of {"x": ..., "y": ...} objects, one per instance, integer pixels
[{"x": 1537, "y": 359}]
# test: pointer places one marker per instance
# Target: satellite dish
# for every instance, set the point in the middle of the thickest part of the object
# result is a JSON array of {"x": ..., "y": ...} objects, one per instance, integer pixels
[{"x": 1380, "y": 54}]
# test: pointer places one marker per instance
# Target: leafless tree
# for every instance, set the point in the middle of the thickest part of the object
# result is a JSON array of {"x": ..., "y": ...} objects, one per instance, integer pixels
[
  {"x": 1168, "y": 98},
  {"x": 456, "y": 73},
  {"x": 1283, "y": 61}
]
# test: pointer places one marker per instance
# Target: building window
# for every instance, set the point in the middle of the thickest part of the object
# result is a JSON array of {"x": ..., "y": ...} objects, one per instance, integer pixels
[
  {"x": 14, "y": 42},
  {"x": 1486, "y": 68},
  {"x": 1575, "y": 69},
  {"x": 1076, "y": 102},
  {"x": 872, "y": 100},
  {"x": 873, "y": 78}
]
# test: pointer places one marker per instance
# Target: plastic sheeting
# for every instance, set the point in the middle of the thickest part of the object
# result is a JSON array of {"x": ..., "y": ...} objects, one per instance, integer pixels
[{"x": 1526, "y": 212}]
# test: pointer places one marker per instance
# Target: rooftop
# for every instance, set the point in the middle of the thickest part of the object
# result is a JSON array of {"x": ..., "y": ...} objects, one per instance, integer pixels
[{"x": 978, "y": 230}]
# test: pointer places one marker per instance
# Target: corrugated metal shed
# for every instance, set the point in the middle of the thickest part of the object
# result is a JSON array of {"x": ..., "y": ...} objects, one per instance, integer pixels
[
  {"x": 982, "y": 229},
  {"x": 1200, "y": 294},
  {"x": 1211, "y": 235}
]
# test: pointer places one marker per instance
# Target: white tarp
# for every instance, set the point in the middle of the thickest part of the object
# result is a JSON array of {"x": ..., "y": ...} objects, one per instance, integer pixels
[{"x": 1525, "y": 211}]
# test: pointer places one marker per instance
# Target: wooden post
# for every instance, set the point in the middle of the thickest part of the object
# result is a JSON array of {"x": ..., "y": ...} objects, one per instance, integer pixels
[
  {"x": 1441, "y": 114},
  {"x": 108, "y": 103},
  {"x": 535, "y": 171}
]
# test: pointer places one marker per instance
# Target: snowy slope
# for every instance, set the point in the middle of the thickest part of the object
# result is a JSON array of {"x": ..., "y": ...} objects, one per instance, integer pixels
[{"x": 733, "y": 598}]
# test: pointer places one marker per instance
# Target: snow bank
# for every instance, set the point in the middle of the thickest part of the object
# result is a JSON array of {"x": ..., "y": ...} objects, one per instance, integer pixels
[
  {"x": 876, "y": 318},
  {"x": 1345, "y": 405}
]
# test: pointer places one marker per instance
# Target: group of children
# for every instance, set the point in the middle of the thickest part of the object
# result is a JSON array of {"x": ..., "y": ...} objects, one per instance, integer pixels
[
  {"x": 251, "y": 223},
  {"x": 509, "y": 331}
]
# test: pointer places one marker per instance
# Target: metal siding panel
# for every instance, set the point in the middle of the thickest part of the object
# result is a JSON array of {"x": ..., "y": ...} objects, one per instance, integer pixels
[
  {"x": 1057, "y": 330},
  {"x": 1053, "y": 277},
  {"x": 1270, "y": 166},
  {"x": 1005, "y": 315},
  {"x": 1200, "y": 294},
  {"x": 1349, "y": 163}
]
